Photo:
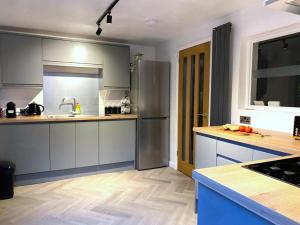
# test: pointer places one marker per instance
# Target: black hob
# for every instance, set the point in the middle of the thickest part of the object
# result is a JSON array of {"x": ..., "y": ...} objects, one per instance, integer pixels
[{"x": 286, "y": 170}]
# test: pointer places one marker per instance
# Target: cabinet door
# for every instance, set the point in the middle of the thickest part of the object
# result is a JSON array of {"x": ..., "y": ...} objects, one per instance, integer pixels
[
  {"x": 116, "y": 69},
  {"x": 117, "y": 141},
  {"x": 62, "y": 146},
  {"x": 72, "y": 52},
  {"x": 87, "y": 149},
  {"x": 27, "y": 146},
  {"x": 259, "y": 155},
  {"x": 234, "y": 151},
  {"x": 223, "y": 162},
  {"x": 206, "y": 152},
  {"x": 21, "y": 60}
]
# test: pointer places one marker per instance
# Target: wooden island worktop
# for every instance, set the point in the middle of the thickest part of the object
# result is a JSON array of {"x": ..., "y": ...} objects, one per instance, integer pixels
[
  {"x": 278, "y": 141},
  {"x": 44, "y": 118}
]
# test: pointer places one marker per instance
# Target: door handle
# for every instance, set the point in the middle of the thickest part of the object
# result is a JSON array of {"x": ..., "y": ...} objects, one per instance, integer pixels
[{"x": 203, "y": 114}]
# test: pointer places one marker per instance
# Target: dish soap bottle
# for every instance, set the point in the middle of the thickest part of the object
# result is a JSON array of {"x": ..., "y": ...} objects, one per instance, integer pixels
[{"x": 78, "y": 109}]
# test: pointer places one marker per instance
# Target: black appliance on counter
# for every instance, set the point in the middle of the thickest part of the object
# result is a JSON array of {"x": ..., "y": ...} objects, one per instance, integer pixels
[
  {"x": 296, "y": 132},
  {"x": 286, "y": 170},
  {"x": 34, "y": 109},
  {"x": 11, "y": 110}
]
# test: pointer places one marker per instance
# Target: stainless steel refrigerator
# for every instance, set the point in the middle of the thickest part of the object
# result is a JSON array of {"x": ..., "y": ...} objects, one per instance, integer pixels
[{"x": 150, "y": 96}]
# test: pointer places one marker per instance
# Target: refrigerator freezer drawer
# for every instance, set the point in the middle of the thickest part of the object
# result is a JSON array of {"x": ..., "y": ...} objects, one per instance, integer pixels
[{"x": 153, "y": 146}]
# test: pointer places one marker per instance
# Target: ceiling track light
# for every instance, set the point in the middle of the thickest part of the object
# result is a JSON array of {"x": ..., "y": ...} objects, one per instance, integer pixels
[
  {"x": 107, "y": 14},
  {"x": 109, "y": 18},
  {"x": 99, "y": 30}
]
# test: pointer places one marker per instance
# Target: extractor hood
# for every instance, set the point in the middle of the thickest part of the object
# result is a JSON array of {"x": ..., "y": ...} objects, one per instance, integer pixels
[{"x": 292, "y": 6}]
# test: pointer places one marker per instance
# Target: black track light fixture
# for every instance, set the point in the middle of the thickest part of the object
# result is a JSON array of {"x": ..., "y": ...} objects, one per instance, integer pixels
[
  {"x": 109, "y": 18},
  {"x": 107, "y": 14},
  {"x": 99, "y": 30}
]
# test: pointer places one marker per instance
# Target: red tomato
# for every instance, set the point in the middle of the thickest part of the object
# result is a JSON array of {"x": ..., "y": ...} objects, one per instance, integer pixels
[
  {"x": 242, "y": 128},
  {"x": 248, "y": 129}
]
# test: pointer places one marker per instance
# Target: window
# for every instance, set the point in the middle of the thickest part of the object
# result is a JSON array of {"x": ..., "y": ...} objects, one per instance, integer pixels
[{"x": 276, "y": 72}]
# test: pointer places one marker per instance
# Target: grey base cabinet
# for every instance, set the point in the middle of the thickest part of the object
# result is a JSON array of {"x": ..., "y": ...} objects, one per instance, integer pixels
[
  {"x": 205, "y": 152},
  {"x": 87, "y": 145},
  {"x": 117, "y": 141},
  {"x": 212, "y": 152},
  {"x": 62, "y": 145},
  {"x": 27, "y": 146}
]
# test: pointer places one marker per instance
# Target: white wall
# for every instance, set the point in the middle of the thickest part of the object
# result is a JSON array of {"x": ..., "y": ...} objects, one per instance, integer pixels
[{"x": 246, "y": 23}]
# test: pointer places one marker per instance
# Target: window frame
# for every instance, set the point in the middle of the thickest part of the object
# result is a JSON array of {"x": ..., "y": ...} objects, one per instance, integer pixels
[{"x": 288, "y": 30}]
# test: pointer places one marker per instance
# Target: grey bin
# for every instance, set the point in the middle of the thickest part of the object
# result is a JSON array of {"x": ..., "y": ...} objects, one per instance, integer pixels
[{"x": 7, "y": 170}]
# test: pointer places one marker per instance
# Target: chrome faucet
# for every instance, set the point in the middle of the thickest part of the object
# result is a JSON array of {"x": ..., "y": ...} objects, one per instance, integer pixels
[{"x": 72, "y": 102}]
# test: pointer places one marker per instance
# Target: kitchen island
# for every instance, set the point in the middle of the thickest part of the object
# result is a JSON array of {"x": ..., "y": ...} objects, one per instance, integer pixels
[
  {"x": 234, "y": 195},
  {"x": 228, "y": 193}
]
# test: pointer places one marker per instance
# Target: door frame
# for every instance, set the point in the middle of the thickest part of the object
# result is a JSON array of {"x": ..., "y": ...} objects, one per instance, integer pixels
[{"x": 190, "y": 45}]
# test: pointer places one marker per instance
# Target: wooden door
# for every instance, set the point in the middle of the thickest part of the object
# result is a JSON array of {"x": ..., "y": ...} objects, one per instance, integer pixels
[{"x": 193, "y": 101}]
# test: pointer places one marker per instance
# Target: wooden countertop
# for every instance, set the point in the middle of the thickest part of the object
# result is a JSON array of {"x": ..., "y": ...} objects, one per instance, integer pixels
[
  {"x": 278, "y": 141},
  {"x": 278, "y": 196},
  {"x": 44, "y": 118}
]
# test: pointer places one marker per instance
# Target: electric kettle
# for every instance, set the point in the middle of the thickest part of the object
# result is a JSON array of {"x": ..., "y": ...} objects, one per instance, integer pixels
[{"x": 35, "y": 109}]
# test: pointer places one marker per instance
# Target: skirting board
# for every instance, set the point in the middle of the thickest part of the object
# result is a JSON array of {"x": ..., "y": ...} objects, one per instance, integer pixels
[
  {"x": 43, "y": 177},
  {"x": 173, "y": 165}
]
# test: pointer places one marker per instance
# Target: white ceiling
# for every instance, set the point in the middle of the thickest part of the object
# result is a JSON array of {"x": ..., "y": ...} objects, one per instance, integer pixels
[{"x": 79, "y": 16}]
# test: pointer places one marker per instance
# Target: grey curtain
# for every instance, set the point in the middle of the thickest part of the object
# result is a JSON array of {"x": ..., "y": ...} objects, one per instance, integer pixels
[{"x": 220, "y": 78}]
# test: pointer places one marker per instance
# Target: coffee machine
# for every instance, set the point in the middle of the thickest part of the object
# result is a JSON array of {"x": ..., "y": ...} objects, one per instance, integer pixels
[{"x": 11, "y": 110}]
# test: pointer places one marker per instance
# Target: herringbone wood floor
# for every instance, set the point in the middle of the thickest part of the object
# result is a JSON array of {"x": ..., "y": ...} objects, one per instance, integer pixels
[{"x": 154, "y": 197}]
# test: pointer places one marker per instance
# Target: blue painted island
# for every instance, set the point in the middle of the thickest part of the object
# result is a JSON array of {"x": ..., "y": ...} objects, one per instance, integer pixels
[{"x": 229, "y": 194}]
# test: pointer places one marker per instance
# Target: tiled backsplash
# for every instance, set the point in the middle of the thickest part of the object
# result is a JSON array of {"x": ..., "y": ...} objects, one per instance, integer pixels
[
  {"x": 22, "y": 96},
  {"x": 91, "y": 99},
  {"x": 83, "y": 87}
]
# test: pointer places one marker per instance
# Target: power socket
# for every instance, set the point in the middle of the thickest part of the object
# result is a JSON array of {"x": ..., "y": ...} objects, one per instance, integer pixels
[{"x": 245, "y": 120}]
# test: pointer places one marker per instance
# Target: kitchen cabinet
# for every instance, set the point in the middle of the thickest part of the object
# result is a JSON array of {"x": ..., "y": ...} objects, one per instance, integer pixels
[
  {"x": 205, "y": 152},
  {"x": 27, "y": 146},
  {"x": 21, "y": 60},
  {"x": 259, "y": 155},
  {"x": 116, "y": 70},
  {"x": 72, "y": 52},
  {"x": 234, "y": 152},
  {"x": 221, "y": 161},
  {"x": 117, "y": 141},
  {"x": 62, "y": 145},
  {"x": 87, "y": 146}
]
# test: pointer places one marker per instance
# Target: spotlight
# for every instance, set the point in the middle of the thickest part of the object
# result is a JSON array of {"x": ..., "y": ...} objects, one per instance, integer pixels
[
  {"x": 109, "y": 18},
  {"x": 99, "y": 30},
  {"x": 285, "y": 45}
]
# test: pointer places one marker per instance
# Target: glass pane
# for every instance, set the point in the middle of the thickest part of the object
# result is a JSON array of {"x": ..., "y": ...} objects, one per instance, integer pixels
[
  {"x": 201, "y": 88},
  {"x": 276, "y": 72},
  {"x": 184, "y": 108},
  {"x": 192, "y": 98}
]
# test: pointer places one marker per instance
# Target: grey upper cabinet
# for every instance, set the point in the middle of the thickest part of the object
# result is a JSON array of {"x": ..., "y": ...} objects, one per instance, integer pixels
[
  {"x": 21, "y": 60},
  {"x": 62, "y": 145},
  {"x": 72, "y": 52},
  {"x": 87, "y": 146},
  {"x": 206, "y": 152},
  {"x": 27, "y": 146},
  {"x": 116, "y": 69},
  {"x": 117, "y": 141}
]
